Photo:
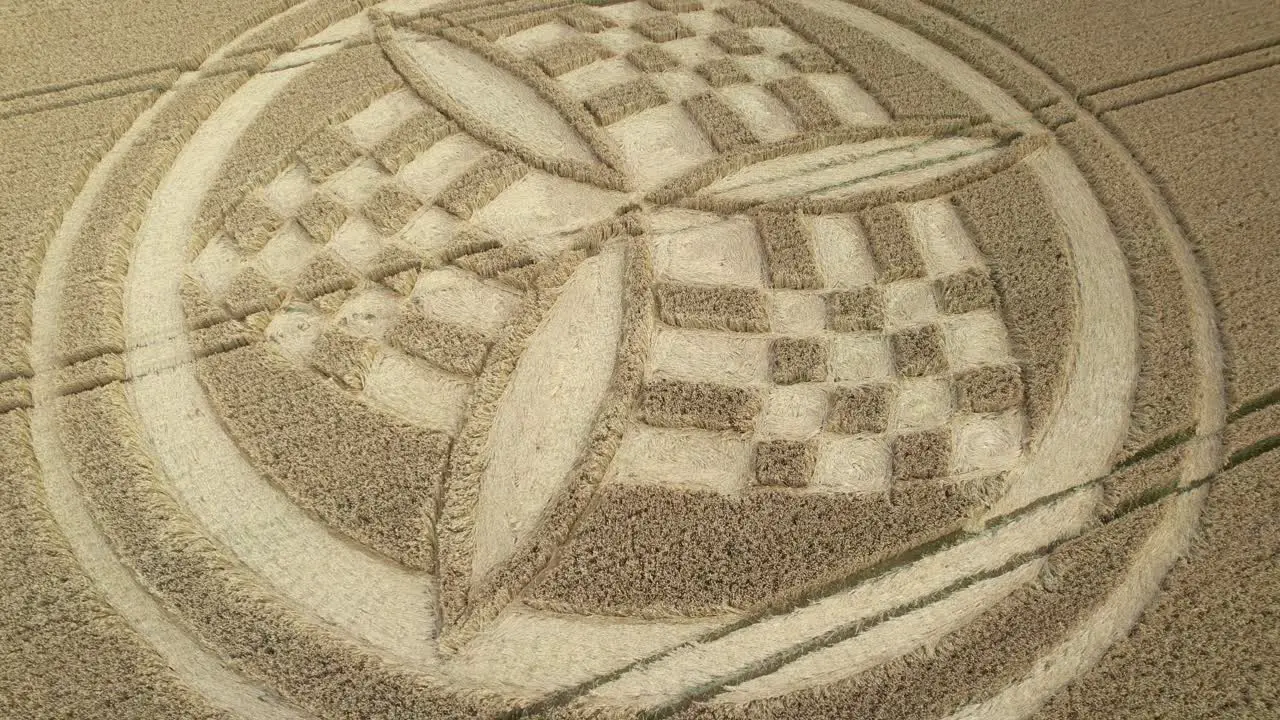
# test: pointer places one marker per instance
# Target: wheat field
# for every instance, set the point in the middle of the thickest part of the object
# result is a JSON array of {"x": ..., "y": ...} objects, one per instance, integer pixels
[{"x": 646, "y": 359}]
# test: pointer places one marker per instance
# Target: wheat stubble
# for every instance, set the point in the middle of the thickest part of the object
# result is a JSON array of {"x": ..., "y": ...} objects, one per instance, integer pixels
[
  {"x": 312, "y": 438},
  {"x": 1026, "y": 249},
  {"x": 1202, "y": 648},
  {"x": 47, "y": 157},
  {"x": 982, "y": 657},
  {"x": 735, "y": 551},
  {"x": 67, "y": 651},
  {"x": 308, "y": 661},
  {"x": 1211, "y": 150}
]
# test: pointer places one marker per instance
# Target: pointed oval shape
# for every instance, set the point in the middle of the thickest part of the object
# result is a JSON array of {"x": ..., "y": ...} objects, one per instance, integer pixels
[
  {"x": 851, "y": 168},
  {"x": 549, "y": 407},
  {"x": 500, "y": 99}
]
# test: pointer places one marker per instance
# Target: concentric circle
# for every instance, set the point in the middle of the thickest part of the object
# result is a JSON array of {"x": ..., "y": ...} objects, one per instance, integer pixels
[{"x": 654, "y": 359}]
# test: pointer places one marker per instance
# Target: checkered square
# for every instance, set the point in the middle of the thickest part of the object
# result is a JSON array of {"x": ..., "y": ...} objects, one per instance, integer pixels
[
  {"x": 868, "y": 372},
  {"x": 687, "y": 48},
  {"x": 334, "y": 246}
]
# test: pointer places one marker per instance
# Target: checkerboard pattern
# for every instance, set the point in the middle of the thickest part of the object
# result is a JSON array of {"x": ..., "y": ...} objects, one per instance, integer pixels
[
  {"x": 862, "y": 372},
  {"x": 335, "y": 245},
  {"x": 864, "y": 378},
  {"x": 338, "y": 239},
  {"x": 736, "y": 52}
]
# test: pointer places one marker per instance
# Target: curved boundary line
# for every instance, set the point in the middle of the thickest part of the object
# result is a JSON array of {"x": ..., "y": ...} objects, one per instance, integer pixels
[
  {"x": 1205, "y": 456},
  {"x": 196, "y": 666},
  {"x": 1173, "y": 215},
  {"x": 154, "y": 300},
  {"x": 201, "y": 670},
  {"x": 436, "y": 96},
  {"x": 1110, "y": 623}
]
